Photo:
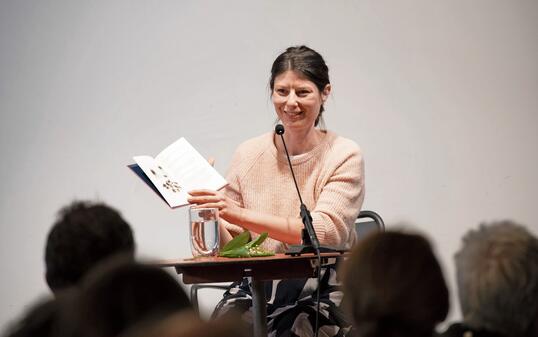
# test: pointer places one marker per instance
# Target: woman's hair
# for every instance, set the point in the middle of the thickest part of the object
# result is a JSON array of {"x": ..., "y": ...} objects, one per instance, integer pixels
[
  {"x": 306, "y": 62},
  {"x": 394, "y": 286}
]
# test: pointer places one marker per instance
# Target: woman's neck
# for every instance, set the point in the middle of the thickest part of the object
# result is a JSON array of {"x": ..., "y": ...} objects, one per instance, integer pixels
[{"x": 299, "y": 143}]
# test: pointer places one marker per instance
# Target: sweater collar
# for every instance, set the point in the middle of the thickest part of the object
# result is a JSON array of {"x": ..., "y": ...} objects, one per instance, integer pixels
[{"x": 328, "y": 139}]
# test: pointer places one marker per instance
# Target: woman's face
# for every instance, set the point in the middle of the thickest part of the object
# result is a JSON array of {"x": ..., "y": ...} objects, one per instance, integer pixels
[{"x": 297, "y": 100}]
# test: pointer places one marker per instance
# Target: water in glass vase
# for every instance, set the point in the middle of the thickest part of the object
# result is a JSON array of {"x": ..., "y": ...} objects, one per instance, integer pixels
[{"x": 204, "y": 238}]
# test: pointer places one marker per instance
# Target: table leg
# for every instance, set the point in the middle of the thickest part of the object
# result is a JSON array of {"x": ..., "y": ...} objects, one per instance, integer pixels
[{"x": 259, "y": 308}]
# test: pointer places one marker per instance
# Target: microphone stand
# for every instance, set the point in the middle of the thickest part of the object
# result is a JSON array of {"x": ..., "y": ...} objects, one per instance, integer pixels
[
  {"x": 310, "y": 242},
  {"x": 309, "y": 238}
]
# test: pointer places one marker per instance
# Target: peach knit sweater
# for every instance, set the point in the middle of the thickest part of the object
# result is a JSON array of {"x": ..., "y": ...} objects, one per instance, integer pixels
[{"x": 330, "y": 178}]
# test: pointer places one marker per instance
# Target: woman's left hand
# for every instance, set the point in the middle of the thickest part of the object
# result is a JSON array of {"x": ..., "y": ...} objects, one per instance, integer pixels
[{"x": 228, "y": 209}]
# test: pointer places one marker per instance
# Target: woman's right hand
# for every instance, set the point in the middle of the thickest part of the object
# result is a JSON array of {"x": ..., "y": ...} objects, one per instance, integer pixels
[{"x": 228, "y": 209}]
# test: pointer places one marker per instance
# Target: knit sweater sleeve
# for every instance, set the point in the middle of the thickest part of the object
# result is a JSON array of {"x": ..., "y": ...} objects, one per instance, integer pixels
[
  {"x": 233, "y": 191},
  {"x": 341, "y": 198}
]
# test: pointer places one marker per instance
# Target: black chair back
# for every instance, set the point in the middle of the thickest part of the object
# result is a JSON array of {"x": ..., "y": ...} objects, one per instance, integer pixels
[{"x": 368, "y": 222}]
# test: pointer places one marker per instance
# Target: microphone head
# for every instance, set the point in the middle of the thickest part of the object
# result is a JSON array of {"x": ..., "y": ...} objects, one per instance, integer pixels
[{"x": 279, "y": 129}]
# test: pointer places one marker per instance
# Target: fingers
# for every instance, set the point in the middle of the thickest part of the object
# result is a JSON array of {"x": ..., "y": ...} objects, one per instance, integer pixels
[
  {"x": 197, "y": 202},
  {"x": 208, "y": 199},
  {"x": 205, "y": 198},
  {"x": 209, "y": 205},
  {"x": 202, "y": 192}
]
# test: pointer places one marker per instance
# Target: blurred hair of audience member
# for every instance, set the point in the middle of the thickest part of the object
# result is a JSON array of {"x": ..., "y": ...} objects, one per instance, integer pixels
[
  {"x": 44, "y": 318},
  {"x": 84, "y": 234},
  {"x": 394, "y": 286},
  {"x": 188, "y": 324},
  {"x": 497, "y": 277},
  {"x": 119, "y": 293}
]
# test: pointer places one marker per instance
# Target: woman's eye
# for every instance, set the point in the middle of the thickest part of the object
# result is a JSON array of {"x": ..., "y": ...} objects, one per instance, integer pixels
[
  {"x": 302, "y": 93},
  {"x": 281, "y": 92}
]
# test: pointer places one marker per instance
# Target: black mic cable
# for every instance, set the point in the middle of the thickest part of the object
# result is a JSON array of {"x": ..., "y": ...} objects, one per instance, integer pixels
[{"x": 307, "y": 222}]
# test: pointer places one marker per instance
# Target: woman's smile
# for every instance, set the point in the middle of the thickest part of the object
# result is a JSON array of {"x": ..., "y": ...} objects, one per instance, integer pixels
[{"x": 297, "y": 100}]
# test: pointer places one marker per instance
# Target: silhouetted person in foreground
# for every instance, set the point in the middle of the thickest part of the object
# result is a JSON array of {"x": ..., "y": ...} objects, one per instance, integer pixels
[
  {"x": 120, "y": 293},
  {"x": 187, "y": 324},
  {"x": 394, "y": 286},
  {"x": 44, "y": 318},
  {"x": 497, "y": 275},
  {"x": 84, "y": 234}
]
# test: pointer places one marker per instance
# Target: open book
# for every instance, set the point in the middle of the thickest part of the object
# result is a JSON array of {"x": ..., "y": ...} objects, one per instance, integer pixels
[{"x": 176, "y": 170}]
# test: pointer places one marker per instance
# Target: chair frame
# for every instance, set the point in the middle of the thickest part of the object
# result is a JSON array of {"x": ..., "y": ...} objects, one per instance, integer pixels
[{"x": 374, "y": 216}]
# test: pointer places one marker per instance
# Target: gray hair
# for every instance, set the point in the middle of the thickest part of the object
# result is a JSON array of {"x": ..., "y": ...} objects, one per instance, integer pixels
[{"x": 497, "y": 275}]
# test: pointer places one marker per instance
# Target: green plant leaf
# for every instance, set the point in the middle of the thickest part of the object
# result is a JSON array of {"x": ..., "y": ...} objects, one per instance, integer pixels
[
  {"x": 236, "y": 242},
  {"x": 240, "y": 247},
  {"x": 258, "y": 241},
  {"x": 237, "y": 252}
]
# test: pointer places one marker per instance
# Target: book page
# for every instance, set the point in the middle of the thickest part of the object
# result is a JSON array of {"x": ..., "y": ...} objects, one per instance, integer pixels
[
  {"x": 166, "y": 185},
  {"x": 189, "y": 168}
]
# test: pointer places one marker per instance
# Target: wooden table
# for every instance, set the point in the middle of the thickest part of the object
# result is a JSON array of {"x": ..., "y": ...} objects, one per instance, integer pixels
[{"x": 258, "y": 269}]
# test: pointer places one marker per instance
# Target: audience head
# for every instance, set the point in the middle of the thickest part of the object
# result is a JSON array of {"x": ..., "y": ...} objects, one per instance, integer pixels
[
  {"x": 84, "y": 234},
  {"x": 394, "y": 286},
  {"x": 120, "y": 293},
  {"x": 497, "y": 276},
  {"x": 44, "y": 319},
  {"x": 307, "y": 63},
  {"x": 188, "y": 324}
]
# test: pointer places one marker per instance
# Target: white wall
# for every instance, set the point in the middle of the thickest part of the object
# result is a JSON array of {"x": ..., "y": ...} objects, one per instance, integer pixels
[{"x": 441, "y": 95}]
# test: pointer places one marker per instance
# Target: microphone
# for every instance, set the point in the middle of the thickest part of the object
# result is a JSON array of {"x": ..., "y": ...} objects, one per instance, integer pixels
[{"x": 310, "y": 239}]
